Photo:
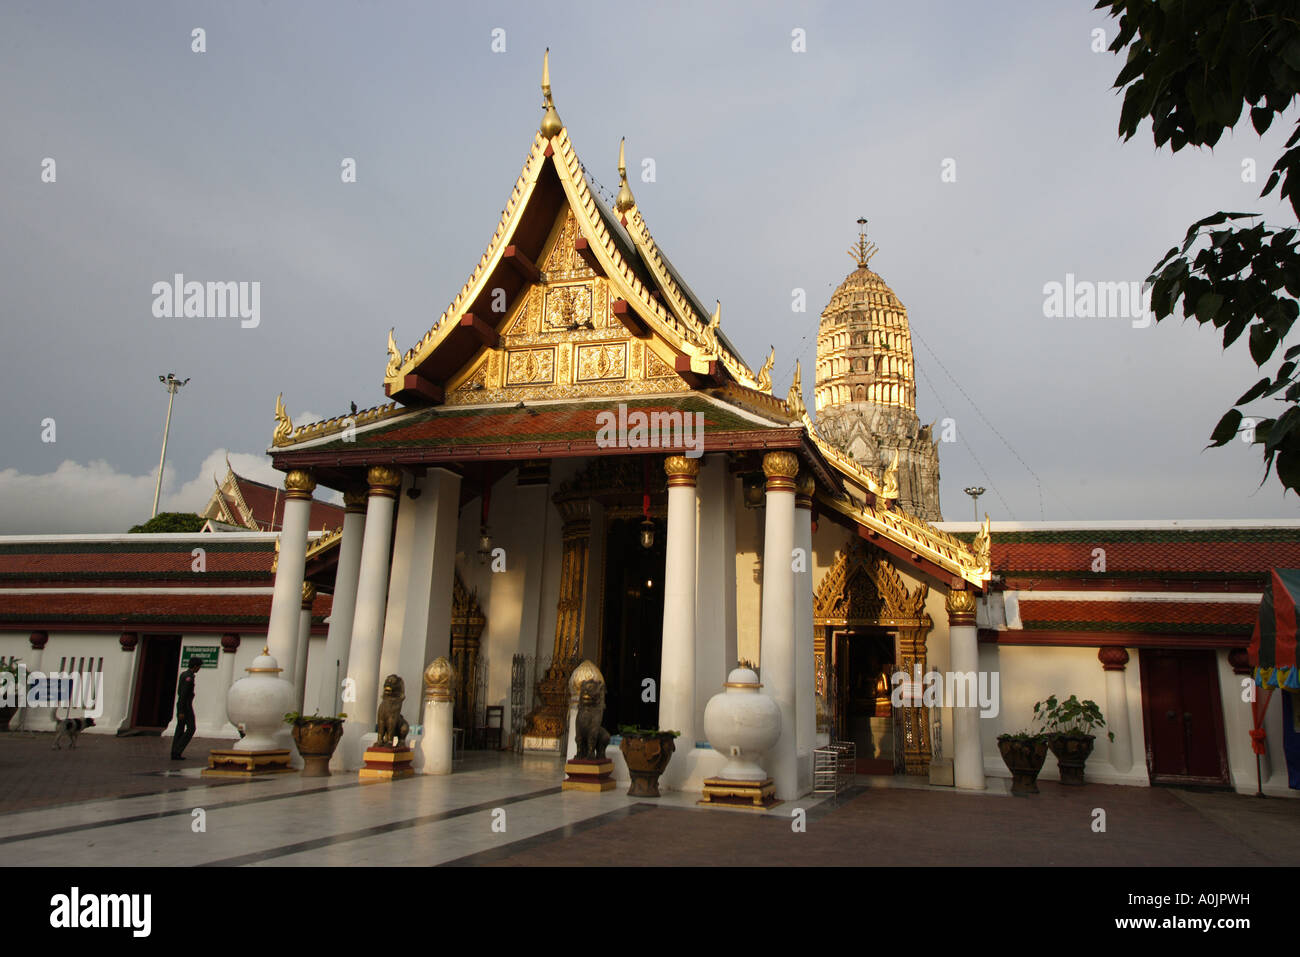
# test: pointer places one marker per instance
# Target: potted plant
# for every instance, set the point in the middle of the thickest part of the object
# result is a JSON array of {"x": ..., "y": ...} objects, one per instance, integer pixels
[
  {"x": 1069, "y": 725},
  {"x": 8, "y": 686},
  {"x": 316, "y": 736},
  {"x": 1024, "y": 753},
  {"x": 646, "y": 751}
]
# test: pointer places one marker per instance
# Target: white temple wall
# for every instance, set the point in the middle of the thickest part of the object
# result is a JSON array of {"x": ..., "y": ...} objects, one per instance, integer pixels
[
  {"x": 1030, "y": 673},
  {"x": 1238, "y": 720},
  {"x": 749, "y": 591}
]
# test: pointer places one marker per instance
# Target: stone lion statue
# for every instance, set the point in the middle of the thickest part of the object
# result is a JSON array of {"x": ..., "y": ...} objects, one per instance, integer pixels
[
  {"x": 392, "y": 726},
  {"x": 590, "y": 737}
]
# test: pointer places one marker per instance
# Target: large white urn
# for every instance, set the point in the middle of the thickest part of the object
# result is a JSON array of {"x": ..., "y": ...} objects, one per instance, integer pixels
[
  {"x": 742, "y": 723},
  {"x": 259, "y": 702}
]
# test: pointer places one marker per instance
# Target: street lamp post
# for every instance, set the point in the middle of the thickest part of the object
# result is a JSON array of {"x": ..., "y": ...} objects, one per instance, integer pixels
[
  {"x": 172, "y": 384},
  {"x": 975, "y": 492}
]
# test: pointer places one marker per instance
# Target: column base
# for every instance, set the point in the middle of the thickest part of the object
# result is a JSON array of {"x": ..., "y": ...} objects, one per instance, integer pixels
[
  {"x": 740, "y": 795},
  {"x": 587, "y": 774},
  {"x": 387, "y": 764},
  {"x": 247, "y": 764}
]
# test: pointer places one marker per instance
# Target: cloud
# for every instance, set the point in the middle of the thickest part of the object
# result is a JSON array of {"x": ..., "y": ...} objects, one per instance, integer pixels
[{"x": 96, "y": 497}]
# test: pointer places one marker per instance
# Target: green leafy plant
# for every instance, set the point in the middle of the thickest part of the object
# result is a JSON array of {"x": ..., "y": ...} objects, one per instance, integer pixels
[
  {"x": 1070, "y": 717},
  {"x": 631, "y": 730},
  {"x": 172, "y": 522},
  {"x": 294, "y": 717}
]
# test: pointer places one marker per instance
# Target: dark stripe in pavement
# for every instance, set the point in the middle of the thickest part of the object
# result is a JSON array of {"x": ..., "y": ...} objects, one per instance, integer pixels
[
  {"x": 259, "y": 856},
  {"x": 547, "y": 837},
  {"x": 155, "y": 815}
]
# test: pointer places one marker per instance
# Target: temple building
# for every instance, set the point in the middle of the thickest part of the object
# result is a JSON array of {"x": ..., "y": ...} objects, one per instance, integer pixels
[
  {"x": 576, "y": 464},
  {"x": 866, "y": 385}
]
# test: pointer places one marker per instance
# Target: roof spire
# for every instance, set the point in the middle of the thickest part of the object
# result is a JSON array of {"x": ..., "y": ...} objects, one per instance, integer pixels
[
  {"x": 624, "y": 201},
  {"x": 551, "y": 124},
  {"x": 862, "y": 251}
]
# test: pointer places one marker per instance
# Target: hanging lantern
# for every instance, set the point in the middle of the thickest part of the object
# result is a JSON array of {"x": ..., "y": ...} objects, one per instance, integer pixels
[
  {"x": 484, "y": 545},
  {"x": 647, "y": 526},
  {"x": 484, "y": 539}
]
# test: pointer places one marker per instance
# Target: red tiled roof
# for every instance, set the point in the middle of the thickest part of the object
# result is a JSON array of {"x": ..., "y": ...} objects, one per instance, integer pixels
[
  {"x": 217, "y": 611},
  {"x": 267, "y": 506},
  {"x": 1208, "y": 558},
  {"x": 1148, "y": 616},
  {"x": 61, "y": 563}
]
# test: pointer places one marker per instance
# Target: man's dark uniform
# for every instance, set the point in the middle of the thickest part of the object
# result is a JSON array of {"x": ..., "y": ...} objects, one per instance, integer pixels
[{"x": 184, "y": 713}]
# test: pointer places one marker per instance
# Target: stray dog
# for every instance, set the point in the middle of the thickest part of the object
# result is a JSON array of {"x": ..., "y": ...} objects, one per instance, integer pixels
[{"x": 70, "y": 728}]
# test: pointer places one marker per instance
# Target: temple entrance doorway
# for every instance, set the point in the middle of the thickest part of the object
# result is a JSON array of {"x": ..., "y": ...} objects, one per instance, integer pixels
[
  {"x": 632, "y": 623},
  {"x": 864, "y": 661},
  {"x": 155, "y": 690}
]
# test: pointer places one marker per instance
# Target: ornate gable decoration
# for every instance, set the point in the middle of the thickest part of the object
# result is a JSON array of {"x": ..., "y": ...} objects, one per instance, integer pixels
[
  {"x": 590, "y": 319},
  {"x": 863, "y": 587}
]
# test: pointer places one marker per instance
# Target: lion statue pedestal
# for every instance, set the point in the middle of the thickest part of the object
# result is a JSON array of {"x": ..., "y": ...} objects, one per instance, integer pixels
[
  {"x": 589, "y": 769},
  {"x": 390, "y": 757}
]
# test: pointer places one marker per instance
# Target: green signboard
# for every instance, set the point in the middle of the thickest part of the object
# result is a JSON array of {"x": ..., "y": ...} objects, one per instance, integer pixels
[{"x": 209, "y": 654}]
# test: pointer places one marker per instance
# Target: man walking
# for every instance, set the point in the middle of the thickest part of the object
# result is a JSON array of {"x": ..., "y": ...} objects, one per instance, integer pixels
[{"x": 185, "y": 709}]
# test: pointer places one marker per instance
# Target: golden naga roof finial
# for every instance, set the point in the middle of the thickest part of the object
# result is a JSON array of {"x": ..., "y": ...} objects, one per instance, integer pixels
[
  {"x": 765, "y": 373},
  {"x": 862, "y": 251},
  {"x": 624, "y": 201},
  {"x": 795, "y": 398},
  {"x": 551, "y": 124},
  {"x": 394, "y": 357},
  {"x": 890, "y": 489},
  {"x": 983, "y": 547},
  {"x": 283, "y": 424}
]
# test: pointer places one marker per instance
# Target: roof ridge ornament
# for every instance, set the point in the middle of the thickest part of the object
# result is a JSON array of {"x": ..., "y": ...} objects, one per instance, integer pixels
[
  {"x": 794, "y": 399},
  {"x": 765, "y": 373},
  {"x": 625, "y": 200},
  {"x": 394, "y": 355},
  {"x": 862, "y": 251},
  {"x": 283, "y": 424},
  {"x": 551, "y": 123}
]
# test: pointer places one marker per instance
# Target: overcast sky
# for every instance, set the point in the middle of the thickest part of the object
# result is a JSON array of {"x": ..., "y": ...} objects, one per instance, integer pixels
[{"x": 225, "y": 165}]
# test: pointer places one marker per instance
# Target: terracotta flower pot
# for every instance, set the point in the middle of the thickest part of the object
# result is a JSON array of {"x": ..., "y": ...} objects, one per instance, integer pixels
[
  {"x": 1071, "y": 752},
  {"x": 646, "y": 755},
  {"x": 316, "y": 740},
  {"x": 1024, "y": 758}
]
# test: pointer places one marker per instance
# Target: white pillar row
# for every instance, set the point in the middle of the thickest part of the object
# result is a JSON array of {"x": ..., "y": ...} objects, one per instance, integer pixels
[
  {"x": 963, "y": 639},
  {"x": 299, "y": 677},
  {"x": 777, "y": 640},
  {"x": 127, "y": 643},
  {"x": 804, "y": 677},
  {"x": 1113, "y": 661},
  {"x": 362, "y": 684},
  {"x": 677, "y": 658},
  {"x": 226, "y": 676},
  {"x": 417, "y": 625},
  {"x": 286, "y": 599},
  {"x": 334, "y": 666},
  {"x": 715, "y": 598},
  {"x": 36, "y": 718}
]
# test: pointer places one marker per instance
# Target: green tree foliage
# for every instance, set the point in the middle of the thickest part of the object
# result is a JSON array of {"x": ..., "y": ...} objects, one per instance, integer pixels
[
  {"x": 172, "y": 522},
  {"x": 1193, "y": 67}
]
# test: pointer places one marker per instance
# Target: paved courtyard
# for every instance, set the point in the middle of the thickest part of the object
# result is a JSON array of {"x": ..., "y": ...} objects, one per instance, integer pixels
[{"x": 122, "y": 801}]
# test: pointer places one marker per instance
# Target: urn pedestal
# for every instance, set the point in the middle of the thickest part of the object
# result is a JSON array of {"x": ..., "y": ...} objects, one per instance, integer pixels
[
  {"x": 589, "y": 774},
  {"x": 743, "y": 724},
  {"x": 259, "y": 702}
]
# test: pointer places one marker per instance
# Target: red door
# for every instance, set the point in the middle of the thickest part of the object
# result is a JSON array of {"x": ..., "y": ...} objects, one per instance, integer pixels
[
  {"x": 155, "y": 694},
  {"x": 1183, "y": 718}
]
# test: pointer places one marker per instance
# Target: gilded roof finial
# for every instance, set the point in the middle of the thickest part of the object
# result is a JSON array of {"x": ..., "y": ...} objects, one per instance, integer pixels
[
  {"x": 394, "y": 357},
  {"x": 862, "y": 251},
  {"x": 765, "y": 373},
  {"x": 794, "y": 399},
  {"x": 551, "y": 124},
  {"x": 624, "y": 201},
  {"x": 283, "y": 424}
]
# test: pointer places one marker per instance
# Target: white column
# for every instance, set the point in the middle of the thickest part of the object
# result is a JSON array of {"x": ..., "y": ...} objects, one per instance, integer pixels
[
  {"x": 436, "y": 742},
  {"x": 286, "y": 599},
  {"x": 777, "y": 640},
  {"x": 368, "y": 621},
  {"x": 335, "y": 663},
  {"x": 715, "y": 599},
  {"x": 417, "y": 626},
  {"x": 226, "y": 677},
  {"x": 1113, "y": 661},
  {"x": 677, "y": 660},
  {"x": 805, "y": 681},
  {"x": 127, "y": 643},
  {"x": 299, "y": 678},
  {"x": 963, "y": 641}
]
